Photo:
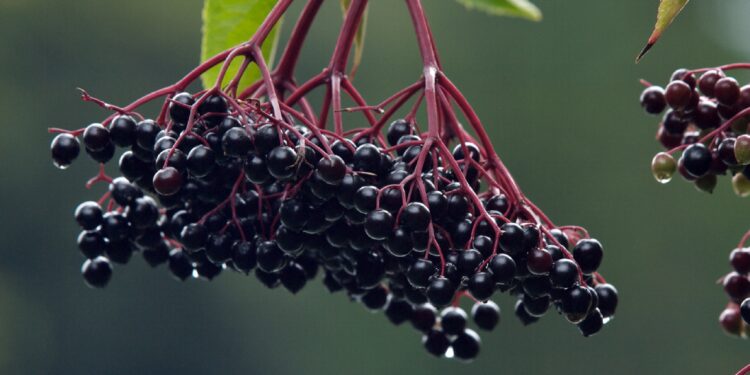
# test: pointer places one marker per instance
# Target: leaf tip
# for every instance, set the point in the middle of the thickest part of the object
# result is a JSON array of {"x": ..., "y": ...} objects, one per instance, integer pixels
[{"x": 643, "y": 52}]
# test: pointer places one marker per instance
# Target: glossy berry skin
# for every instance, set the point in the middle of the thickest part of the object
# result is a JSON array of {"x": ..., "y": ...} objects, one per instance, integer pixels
[
  {"x": 96, "y": 137},
  {"x": 214, "y": 107},
  {"x": 91, "y": 243},
  {"x": 367, "y": 158},
  {"x": 379, "y": 224},
  {"x": 727, "y": 91},
  {"x": 179, "y": 109},
  {"x": 143, "y": 212},
  {"x": 576, "y": 302},
  {"x": 536, "y": 307},
  {"x": 256, "y": 170},
  {"x": 65, "y": 149},
  {"x": 236, "y": 142},
  {"x": 104, "y": 155},
  {"x": 88, "y": 215},
  {"x": 375, "y": 299},
  {"x": 131, "y": 166},
  {"x": 707, "y": 82},
  {"x": 468, "y": 261},
  {"x": 745, "y": 310},
  {"x": 365, "y": 198},
  {"x": 653, "y": 100},
  {"x": 219, "y": 248},
  {"x": 122, "y": 131},
  {"x": 244, "y": 256},
  {"x": 731, "y": 321},
  {"x": 97, "y": 272},
  {"x": 270, "y": 258},
  {"x": 123, "y": 192},
  {"x": 293, "y": 277},
  {"x": 331, "y": 169},
  {"x": 399, "y": 243},
  {"x": 466, "y": 345},
  {"x": 726, "y": 152},
  {"x": 415, "y": 216},
  {"x": 282, "y": 162},
  {"x": 588, "y": 254},
  {"x": 706, "y": 115},
  {"x": 674, "y": 123},
  {"x": 157, "y": 255},
  {"x": 736, "y": 286},
  {"x": 423, "y": 317},
  {"x": 453, "y": 320},
  {"x": 396, "y": 130},
  {"x": 266, "y": 138},
  {"x": 399, "y": 311},
  {"x": 420, "y": 272},
  {"x": 440, "y": 291},
  {"x": 145, "y": 134},
  {"x": 167, "y": 181},
  {"x": 512, "y": 238},
  {"x": 740, "y": 260},
  {"x": 539, "y": 262},
  {"x": 180, "y": 265},
  {"x": 201, "y": 161},
  {"x": 678, "y": 94},
  {"x": 194, "y": 236},
  {"x": 486, "y": 315},
  {"x": 697, "y": 160},
  {"x": 564, "y": 273},
  {"x": 607, "y": 299},
  {"x": 436, "y": 342},
  {"x": 592, "y": 324},
  {"x": 503, "y": 268},
  {"x": 481, "y": 286},
  {"x": 115, "y": 226},
  {"x": 484, "y": 245}
]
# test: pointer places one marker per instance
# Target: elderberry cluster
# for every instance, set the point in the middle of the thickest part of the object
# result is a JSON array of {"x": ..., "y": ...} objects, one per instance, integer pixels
[
  {"x": 735, "y": 319},
  {"x": 223, "y": 185},
  {"x": 706, "y": 118}
]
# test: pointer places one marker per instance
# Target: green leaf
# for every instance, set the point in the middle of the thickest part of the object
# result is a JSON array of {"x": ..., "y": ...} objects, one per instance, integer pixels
[
  {"x": 359, "y": 38},
  {"x": 668, "y": 11},
  {"x": 227, "y": 23},
  {"x": 512, "y": 8}
]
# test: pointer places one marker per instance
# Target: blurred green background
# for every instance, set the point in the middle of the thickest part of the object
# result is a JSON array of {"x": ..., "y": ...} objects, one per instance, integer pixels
[{"x": 560, "y": 101}]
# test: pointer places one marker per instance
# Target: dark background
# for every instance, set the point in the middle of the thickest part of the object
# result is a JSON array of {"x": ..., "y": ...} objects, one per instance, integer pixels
[{"x": 560, "y": 101}]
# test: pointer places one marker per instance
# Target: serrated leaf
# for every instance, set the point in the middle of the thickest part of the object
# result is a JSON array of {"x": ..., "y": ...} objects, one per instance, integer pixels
[
  {"x": 227, "y": 23},
  {"x": 512, "y": 8},
  {"x": 359, "y": 38},
  {"x": 668, "y": 11}
]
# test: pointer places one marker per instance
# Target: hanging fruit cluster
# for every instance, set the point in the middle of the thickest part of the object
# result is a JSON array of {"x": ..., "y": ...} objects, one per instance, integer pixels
[{"x": 403, "y": 218}]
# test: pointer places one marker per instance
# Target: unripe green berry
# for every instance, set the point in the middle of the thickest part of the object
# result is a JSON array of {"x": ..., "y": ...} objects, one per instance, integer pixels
[
  {"x": 663, "y": 167},
  {"x": 742, "y": 149},
  {"x": 706, "y": 183},
  {"x": 741, "y": 185}
]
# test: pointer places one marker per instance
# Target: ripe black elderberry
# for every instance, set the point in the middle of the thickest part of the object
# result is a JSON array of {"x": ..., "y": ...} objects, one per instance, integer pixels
[
  {"x": 167, "y": 181},
  {"x": 96, "y": 137},
  {"x": 588, "y": 254},
  {"x": 122, "y": 131},
  {"x": 436, "y": 342},
  {"x": 466, "y": 345},
  {"x": 486, "y": 315},
  {"x": 88, "y": 215},
  {"x": 65, "y": 149},
  {"x": 652, "y": 100},
  {"x": 97, "y": 272},
  {"x": 179, "y": 109},
  {"x": 697, "y": 160}
]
